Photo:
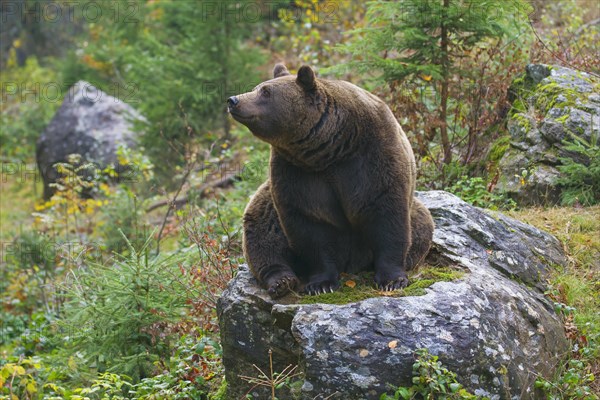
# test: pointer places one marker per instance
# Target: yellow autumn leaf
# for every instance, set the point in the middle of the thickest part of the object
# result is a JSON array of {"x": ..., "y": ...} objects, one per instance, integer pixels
[
  {"x": 72, "y": 364},
  {"x": 393, "y": 344},
  {"x": 350, "y": 283},
  {"x": 31, "y": 387},
  {"x": 426, "y": 78},
  {"x": 104, "y": 188}
]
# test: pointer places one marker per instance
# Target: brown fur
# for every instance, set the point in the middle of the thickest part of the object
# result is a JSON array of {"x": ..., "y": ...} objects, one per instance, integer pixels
[{"x": 340, "y": 193}]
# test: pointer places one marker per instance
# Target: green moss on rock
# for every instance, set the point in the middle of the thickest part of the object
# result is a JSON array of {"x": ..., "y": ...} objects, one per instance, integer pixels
[
  {"x": 523, "y": 121},
  {"x": 520, "y": 90},
  {"x": 548, "y": 94},
  {"x": 360, "y": 287},
  {"x": 498, "y": 149}
]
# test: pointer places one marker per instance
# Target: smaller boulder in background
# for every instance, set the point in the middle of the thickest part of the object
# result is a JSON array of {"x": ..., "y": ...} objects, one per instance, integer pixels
[
  {"x": 90, "y": 123},
  {"x": 551, "y": 105}
]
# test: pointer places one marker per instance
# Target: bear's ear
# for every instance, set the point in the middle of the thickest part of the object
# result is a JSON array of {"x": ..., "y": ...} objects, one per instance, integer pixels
[
  {"x": 280, "y": 70},
  {"x": 306, "y": 78}
]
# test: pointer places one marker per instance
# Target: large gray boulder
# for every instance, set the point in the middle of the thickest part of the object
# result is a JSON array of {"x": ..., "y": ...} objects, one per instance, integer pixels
[
  {"x": 550, "y": 105},
  {"x": 90, "y": 123},
  {"x": 493, "y": 326}
]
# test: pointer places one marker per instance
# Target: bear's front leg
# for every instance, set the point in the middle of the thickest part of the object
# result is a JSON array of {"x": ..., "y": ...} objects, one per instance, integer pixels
[
  {"x": 325, "y": 277},
  {"x": 312, "y": 220},
  {"x": 388, "y": 233},
  {"x": 265, "y": 246},
  {"x": 314, "y": 243}
]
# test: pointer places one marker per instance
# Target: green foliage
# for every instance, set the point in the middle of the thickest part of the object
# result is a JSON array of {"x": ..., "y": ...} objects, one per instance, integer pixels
[
  {"x": 31, "y": 266},
  {"x": 564, "y": 26},
  {"x": 185, "y": 375},
  {"x": 574, "y": 379},
  {"x": 305, "y": 31},
  {"x": 118, "y": 314},
  {"x": 418, "y": 47},
  {"x": 12, "y": 325},
  {"x": 580, "y": 182},
  {"x": 573, "y": 383},
  {"x": 18, "y": 379},
  {"x": 431, "y": 381},
  {"x": 474, "y": 191},
  {"x": 122, "y": 214},
  {"x": 411, "y": 30},
  {"x": 444, "y": 68},
  {"x": 106, "y": 386},
  {"x": 177, "y": 63},
  {"x": 28, "y": 103}
]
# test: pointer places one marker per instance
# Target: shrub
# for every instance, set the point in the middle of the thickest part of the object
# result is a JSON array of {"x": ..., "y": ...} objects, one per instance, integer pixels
[
  {"x": 431, "y": 381},
  {"x": 581, "y": 180},
  {"x": 18, "y": 379},
  {"x": 474, "y": 191},
  {"x": 120, "y": 314},
  {"x": 123, "y": 214},
  {"x": 187, "y": 373},
  {"x": 575, "y": 379}
]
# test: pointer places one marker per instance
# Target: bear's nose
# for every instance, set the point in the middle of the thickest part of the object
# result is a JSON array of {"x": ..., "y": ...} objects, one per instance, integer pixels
[{"x": 233, "y": 101}]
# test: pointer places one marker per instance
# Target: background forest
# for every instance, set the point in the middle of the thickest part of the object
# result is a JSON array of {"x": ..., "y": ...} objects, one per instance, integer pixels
[{"x": 113, "y": 296}]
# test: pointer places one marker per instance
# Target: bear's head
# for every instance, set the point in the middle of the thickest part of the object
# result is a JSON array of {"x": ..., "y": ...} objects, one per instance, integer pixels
[{"x": 280, "y": 109}]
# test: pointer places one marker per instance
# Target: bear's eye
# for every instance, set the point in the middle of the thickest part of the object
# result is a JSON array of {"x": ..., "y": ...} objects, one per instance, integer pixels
[{"x": 265, "y": 92}]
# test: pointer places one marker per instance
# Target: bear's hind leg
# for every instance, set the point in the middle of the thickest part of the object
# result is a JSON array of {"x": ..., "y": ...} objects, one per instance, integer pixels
[
  {"x": 265, "y": 246},
  {"x": 422, "y": 227}
]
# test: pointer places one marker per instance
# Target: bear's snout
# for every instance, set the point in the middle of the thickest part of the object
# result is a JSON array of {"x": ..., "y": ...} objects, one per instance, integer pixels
[{"x": 232, "y": 101}]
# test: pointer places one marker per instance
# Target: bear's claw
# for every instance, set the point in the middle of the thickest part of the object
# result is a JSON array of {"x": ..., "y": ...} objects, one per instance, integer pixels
[
  {"x": 322, "y": 287},
  {"x": 388, "y": 286},
  {"x": 283, "y": 286}
]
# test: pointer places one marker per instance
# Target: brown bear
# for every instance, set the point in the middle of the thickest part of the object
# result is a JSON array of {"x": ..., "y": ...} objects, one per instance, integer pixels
[{"x": 340, "y": 193}]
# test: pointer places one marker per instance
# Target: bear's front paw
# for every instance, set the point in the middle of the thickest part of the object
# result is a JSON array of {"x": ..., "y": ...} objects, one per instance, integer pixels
[
  {"x": 387, "y": 282},
  {"x": 282, "y": 286},
  {"x": 321, "y": 284}
]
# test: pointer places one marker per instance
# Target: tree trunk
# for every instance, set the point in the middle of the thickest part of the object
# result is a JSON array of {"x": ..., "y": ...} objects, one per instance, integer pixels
[
  {"x": 225, "y": 76},
  {"x": 445, "y": 83}
]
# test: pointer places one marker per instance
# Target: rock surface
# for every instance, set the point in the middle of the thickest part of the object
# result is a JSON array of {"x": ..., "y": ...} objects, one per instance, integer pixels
[
  {"x": 90, "y": 123},
  {"x": 493, "y": 326},
  {"x": 550, "y": 104}
]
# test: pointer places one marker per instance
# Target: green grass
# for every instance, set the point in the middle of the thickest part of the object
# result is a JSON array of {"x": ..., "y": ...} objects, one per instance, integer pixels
[
  {"x": 17, "y": 198},
  {"x": 577, "y": 285}
]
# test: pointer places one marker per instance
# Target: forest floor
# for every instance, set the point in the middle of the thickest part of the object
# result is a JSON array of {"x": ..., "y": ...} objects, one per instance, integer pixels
[{"x": 575, "y": 288}]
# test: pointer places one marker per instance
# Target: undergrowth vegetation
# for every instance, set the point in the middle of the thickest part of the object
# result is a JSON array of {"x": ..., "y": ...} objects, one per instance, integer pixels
[
  {"x": 575, "y": 291},
  {"x": 431, "y": 380}
]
